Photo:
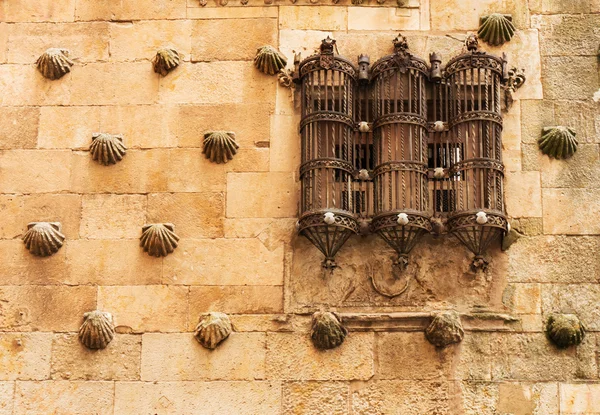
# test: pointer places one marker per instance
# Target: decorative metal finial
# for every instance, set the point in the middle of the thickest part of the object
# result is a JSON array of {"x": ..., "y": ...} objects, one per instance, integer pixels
[
  {"x": 472, "y": 42},
  {"x": 400, "y": 43}
]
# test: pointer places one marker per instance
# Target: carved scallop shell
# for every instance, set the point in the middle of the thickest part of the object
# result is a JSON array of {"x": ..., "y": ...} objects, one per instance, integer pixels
[
  {"x": 159, "y": 239},
  {"x": 445, "y": 328},
  {"x": 97, "y": 330},
  {"x": 165, "y": 61},
  {"x": 220, "y": 146},
  {"x": 213, "y": 329},
  {"x": 558, "y": 142},
  {"x": 268, "y": 60},
  {"x": 327, "y": 330},
  {"x": 43, "y": 238},
  {"x": 496, "y": 29},
  {"x": 54, "y": 63},
  {"x": 107, "y": 149},
  {"x": 565, "y": 330}
]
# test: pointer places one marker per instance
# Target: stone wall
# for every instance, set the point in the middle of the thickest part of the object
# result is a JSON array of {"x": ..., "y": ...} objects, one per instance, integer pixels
[{"x": 238, "y": 252}]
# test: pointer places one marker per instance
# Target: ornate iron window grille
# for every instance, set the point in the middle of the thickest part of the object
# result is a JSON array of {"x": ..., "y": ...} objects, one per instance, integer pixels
[{"x": 379, "y": 144}]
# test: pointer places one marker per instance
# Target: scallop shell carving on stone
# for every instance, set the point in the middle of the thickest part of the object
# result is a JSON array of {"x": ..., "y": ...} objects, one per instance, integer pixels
[
  {"x": 327, "y": 330},
  {"x": 54, "y": 63},
  {"x": 558, "y": 142},
  {"x": 565, "y": 330},
  {"x": 496, "y": 29},
  {"x": 268, "y": 60},
  {"x": 107, "y": 149},
  {"x": 445, "y": 328},
  {"x": 165, "y": 61},
  {"x": 43, "y": 238},
  {"x": 220, "y": 146},
  {"x": 159, "y": 239},
  {"x": 97, "y": 330},
  {"x": 212, "y": 329}
]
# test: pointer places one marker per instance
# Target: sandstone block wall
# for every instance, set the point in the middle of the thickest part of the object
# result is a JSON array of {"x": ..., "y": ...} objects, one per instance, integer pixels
[{"x": 238, "y": 251}]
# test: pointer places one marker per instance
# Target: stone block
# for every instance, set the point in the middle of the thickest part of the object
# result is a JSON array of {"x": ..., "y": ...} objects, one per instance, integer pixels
[
  {"x": 579, "y": 70},
  {"x": 154, "y": 35},
  {"x": 120, "y": 360},
  {"x": 86, "y": 42},
  {"x": 524, "y": 298},
  {"x": 382, "y": 18},
  {"x": 528, "y": 226},
  {"x": 285, "y": 143},
  {"x": 451, "y": 16},
  {"x": 142, "y": 126},
  {"x": 146, "y": 308},
  {"x": 42, "y": 11},
  {"x": 62, "y": 127},
  {"x": 563, "y": 35},
  {"x": 7, "y": 394},
  {"x": 111, "y": 262},
  {"x": 248, "y": 192},
  {"x": 35, "y": 171},
  {"x": 179, "y": 357},
  {"x": 130, "y": 10},
  {"x": 201, "y": 175},
  {"x": 195, "y": 215},
  {"x": 378, "y": 44},
  {"x": 313, "y": 18},
  {"x": 399, "y": 397},
  {"x": 536, "y": 114},
  {"x": 45, "y": 308},
  {"x": 580, "y": 299},
  {"x": 25, "y": 356},
  {"x": 220, "y": 83},
  {"x": 559, "y": 6},
  {"x": 292, "y": 356},
  {"x": 18, "y": 127},
  {"x": 235, "y": 300},
  {"x": 64, "y": 397},
  {"x": 523, "y": 194},
  {"x": 315, "y": 398},
  {"x": 195, "y": 11},
  {"x": 23, "y": 209},
  {"x": 580, "y": 171},
  {"x": 217, "y": 262},
  {"x": 306, "y": 42},
  {"x": 563, "y": 212},
  {"x": 3, "y": 41},
  {"x": 511, "y": 138},
  {"x": 138, "y": 172},
  {"x": 244, "y": 37},
  {"x": 578, "y": 398},
  {"x": 111, "y": 216},
  {"x": 249, "y": 121},
  {"x": 114, "y": 83},
  {"x": 583, "y": 116},
  {"x": 207, "y": 398},
  {"x": 25, "y": 85},
  {"x": 23, "y": 268},
  {"x": 559, "y": 259},
  {"x": 531, "y": 157}
]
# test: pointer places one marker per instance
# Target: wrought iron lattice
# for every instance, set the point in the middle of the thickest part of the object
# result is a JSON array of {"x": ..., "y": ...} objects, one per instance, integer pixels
[{"x": 379, "y": 144}]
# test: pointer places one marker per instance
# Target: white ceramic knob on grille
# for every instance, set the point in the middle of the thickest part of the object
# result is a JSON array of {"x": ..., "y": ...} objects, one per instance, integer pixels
[
  {"x": 329, "y": 218},
  {"x": 402, "y": 219},
  {"x": 482, "y": 218}
]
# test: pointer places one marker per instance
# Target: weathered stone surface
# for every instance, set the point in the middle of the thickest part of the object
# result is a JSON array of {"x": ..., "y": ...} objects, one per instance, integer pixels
[
  {"x": 25, "y": 85},
  {"x": 456, "y": 15},
  {"x": 563, "y": 35},
  {"x": 21, "y": 268},
  {"x": 35, "y": 171},
  {"x": 306, "y": 42},
  {"x": 398, "y": 396},
  {"x": 244, "y": 37},
  {"x": 524, "y": 298},
  {"x": 511, "y": 138},
  {"x": 7, "y": 393},
  {"x": 579, "y": 398},
  {"x": 523, "y": 194},
  {"x": 315, "y": 398},
  {"x": 285, "y": 143},
  {"x": 580, "y": 171},
  {"x": 209, "y": 262},
  {"x": 208, "y": 398},
  {"x": 19, "y": 126},
  {"x": 3, "y": 41},
  {"x": 536, "y": 114},
  {"x": 582, "y": 116},
  {"x": 527, "y": 226},
  {"x": 196, "y": 11},
  {"x": 559, "y": 259},
  {"x": 236, "y": 299},
  {"x": 139, "y": 10},
  {"x": 61, "y": 127},
  {"x": 42, "y": 11},
  {"x": 179, "y": 357},
  {"x": 583, "y": 80},
  {"x": 156, "y": 34},
  {"x": 64, "y": 397},
  {"x": 44, "y": 308},
  {"x": 146, "y": 308},
  {"x": 313, "y": 18},
  {"x": 201, "y": 175},
  {"x": 247, "y": 193},
  {"x": 564, "y": 211},
  {"x": 559, "y": 6},
  {"x": 580, "y": 299},
  {"x": 362, "y": 18},
  {"x": 292, "y": 356},
  {"x": 530, "y": 157},
  {"x": 87, "y": 42},
  {"x": 120, "y": 360},
  {"x": 25, "y": 356},
  {"x": 112, "y": 216}
]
